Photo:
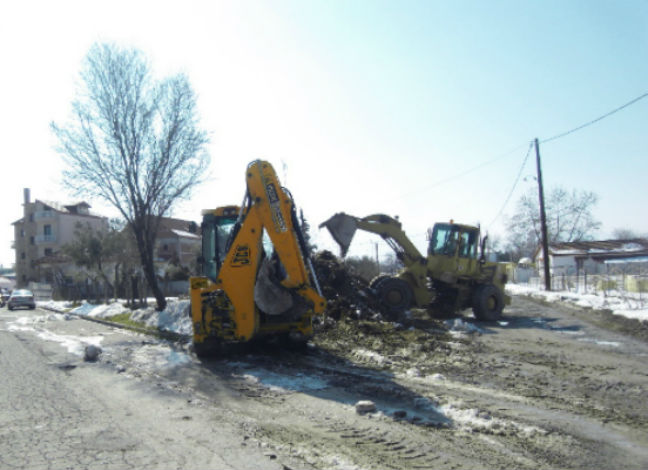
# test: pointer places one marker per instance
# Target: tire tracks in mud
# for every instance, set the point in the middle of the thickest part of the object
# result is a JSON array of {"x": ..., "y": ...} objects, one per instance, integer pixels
[
  {"x": 528, "y": 394},
  {"x": 409, "y": 430},
  {"x": 528, "y": 408}
]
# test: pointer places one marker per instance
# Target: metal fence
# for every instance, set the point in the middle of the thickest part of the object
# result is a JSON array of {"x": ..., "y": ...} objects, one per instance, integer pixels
[{"x": 596, "y": 283}]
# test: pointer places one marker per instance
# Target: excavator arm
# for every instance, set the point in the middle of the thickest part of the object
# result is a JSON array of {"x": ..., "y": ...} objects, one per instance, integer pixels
[
  {"x": 342, "y": 228},
  {"x": 254, "y": 292}
]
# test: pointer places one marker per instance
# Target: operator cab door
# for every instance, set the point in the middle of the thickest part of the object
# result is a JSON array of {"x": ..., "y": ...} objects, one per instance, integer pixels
[
  {"x": 453, "y": 249},
  {"x": 216, "y": 230},
  {"x": 467, "y": 251}
]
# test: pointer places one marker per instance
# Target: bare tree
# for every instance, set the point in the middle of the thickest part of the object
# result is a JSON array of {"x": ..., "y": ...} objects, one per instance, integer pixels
[
  {"x": 569, "y": 218},
  {"x": 133, "y": 141},
  {"x": 627, "y": 234}
]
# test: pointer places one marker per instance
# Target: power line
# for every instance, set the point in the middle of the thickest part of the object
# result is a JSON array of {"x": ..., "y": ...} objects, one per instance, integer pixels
[
  {"x": 459, "y": 175},
  {"x": 517, "y": 179},
  {"x": 610, "y": 113}
]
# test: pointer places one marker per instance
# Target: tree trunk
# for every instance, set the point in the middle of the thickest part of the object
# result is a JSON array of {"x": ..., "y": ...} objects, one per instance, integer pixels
[{"x": 145, "y": 244}]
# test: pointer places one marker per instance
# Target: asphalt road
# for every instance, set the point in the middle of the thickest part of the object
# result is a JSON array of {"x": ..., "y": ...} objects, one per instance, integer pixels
[
  {"x": 59, "y": 412},
  {"x": 545, "y": 388}
]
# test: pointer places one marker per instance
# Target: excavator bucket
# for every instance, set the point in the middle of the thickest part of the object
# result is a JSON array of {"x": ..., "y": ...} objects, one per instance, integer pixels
[{"x": 342, "y": 228}]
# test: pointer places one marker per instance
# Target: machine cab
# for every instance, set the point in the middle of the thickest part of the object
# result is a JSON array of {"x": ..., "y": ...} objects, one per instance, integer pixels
[
  {"x": 217, "y": 225},
  {"x": 454, "y": 240}
]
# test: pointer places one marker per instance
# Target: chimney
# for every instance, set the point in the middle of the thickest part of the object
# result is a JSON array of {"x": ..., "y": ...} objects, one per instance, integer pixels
[{"x": 26, "y": 195}]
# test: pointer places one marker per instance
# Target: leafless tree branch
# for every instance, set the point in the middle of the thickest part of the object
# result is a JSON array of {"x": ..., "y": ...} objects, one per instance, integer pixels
[{"x": 134, "y": 142}]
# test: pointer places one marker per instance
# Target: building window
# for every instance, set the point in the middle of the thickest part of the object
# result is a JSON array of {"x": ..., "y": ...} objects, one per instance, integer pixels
[
  {"x": 47, "y": 229},
  {"x": 31, "y": 217},
  {"x": 22, "y": 232},
  {"x": 31, "y": 240},
  {"x": 48, "y": 252},
  {"x": 22, "y": 255}
]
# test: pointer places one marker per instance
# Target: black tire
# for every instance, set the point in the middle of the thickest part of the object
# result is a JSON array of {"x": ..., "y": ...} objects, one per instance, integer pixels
[
  {"x": 395, "y": 295},
  {"x": 373, "y": 284},
  {"x": 207, "y": 349},
  {"x": 488, "y": 303}
]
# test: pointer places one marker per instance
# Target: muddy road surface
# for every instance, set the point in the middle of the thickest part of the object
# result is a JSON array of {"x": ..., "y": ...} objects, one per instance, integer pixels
[{"x": 547, "y": 387}]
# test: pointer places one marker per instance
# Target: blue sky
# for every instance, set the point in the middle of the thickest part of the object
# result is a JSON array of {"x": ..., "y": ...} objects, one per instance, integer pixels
[{"x": 361, "y": 106}]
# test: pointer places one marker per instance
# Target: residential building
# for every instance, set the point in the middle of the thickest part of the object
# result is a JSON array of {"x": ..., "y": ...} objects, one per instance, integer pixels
[
  {"x": 178, "y": 242},
  {"x": 593, "y": 257},
  {"x": 41, "y": 233}
]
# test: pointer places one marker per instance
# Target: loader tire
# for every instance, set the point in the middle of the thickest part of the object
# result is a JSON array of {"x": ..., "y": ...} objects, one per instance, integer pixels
[
  {"x": 488, "y": 303},
  {"x": 373, "y": 284},
  {"x": 395, "y": 295}
]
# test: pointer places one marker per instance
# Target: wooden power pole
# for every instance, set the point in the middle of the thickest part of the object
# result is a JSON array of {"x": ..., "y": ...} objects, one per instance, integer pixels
[{"x": 543, "y": 221}]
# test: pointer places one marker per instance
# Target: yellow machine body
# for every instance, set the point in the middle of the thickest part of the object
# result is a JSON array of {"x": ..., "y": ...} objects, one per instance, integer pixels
[
  {"x": 451, "y": 277},
  {"x": 229, "y": 303}
]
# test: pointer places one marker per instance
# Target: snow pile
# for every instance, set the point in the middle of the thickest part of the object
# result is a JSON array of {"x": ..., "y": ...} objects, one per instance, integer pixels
[
  {"x": 630, "y": 306},
  {"x": 176, "y": 317},
  {"x": 100, "y": 311},
  {"x": 475, "y": 420}
]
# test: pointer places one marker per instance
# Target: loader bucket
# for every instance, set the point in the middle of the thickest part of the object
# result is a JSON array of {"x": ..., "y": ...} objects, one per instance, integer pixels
[{"x": 342, "y": 228}]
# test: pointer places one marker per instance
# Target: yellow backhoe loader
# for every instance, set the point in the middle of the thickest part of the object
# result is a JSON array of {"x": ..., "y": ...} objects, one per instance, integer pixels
[
  {"x": 452, "y": 277},
  {"x": 257, "y": 278}
]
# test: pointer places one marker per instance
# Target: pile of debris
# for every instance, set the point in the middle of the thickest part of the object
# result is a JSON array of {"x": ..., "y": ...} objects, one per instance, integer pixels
[
  {"x": 347, "y": 294},
  {"x": 349, "y": 297}
]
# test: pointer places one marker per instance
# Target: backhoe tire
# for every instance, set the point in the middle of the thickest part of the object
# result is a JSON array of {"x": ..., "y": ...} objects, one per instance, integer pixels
[
  {"x": 208, "y": 349},
  {"x": 488, "y": 303},
  {"x": 395, "y": 295}
]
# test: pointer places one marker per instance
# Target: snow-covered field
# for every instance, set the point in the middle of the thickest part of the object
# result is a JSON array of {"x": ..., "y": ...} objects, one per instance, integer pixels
[{"x": 619, "y": 303}]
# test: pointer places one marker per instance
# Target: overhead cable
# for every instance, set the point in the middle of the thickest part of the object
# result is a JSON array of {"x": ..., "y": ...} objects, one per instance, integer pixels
[
  {"x": 517, "y": 179},
  {"x": 610, "y": 113}
]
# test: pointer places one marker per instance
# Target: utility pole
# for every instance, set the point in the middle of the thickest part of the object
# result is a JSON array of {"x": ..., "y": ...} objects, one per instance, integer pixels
[
  {"x": 543, "y": 221},
  {"x": 377, "y": 258}
]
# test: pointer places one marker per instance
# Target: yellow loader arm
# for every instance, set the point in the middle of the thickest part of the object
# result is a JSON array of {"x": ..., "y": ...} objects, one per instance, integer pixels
[{"x": 342, "y": 228}]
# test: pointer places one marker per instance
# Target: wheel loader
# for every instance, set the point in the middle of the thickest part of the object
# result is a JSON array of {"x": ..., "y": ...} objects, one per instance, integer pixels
[
  {"x": 257, "y": 278},
  {"x": 454, "y": 275}
]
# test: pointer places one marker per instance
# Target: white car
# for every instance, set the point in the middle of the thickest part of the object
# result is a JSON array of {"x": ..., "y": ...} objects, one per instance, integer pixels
[{"x": 21, "y": 298}]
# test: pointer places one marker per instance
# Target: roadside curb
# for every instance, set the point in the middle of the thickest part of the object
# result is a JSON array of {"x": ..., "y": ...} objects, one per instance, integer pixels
[{"x": 164, "y": 334}]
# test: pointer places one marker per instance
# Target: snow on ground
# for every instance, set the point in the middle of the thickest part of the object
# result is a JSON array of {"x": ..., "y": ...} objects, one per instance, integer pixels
[
  {"x": 282, "y": 383},
  {"x": 175, "y": 317},
  {"x": 619, "y": 303},
  {"x": 35, "y": 324}
]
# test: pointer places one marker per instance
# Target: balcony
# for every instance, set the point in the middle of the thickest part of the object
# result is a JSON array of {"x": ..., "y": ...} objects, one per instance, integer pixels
[
  {"x": 45, "y": 239},
  {"x": 43, "y": 215}
]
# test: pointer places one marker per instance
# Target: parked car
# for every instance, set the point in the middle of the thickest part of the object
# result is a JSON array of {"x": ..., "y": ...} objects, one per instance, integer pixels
[
  {"x": 21, "y": 298},
  {"x": 4, "y": 296}
]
